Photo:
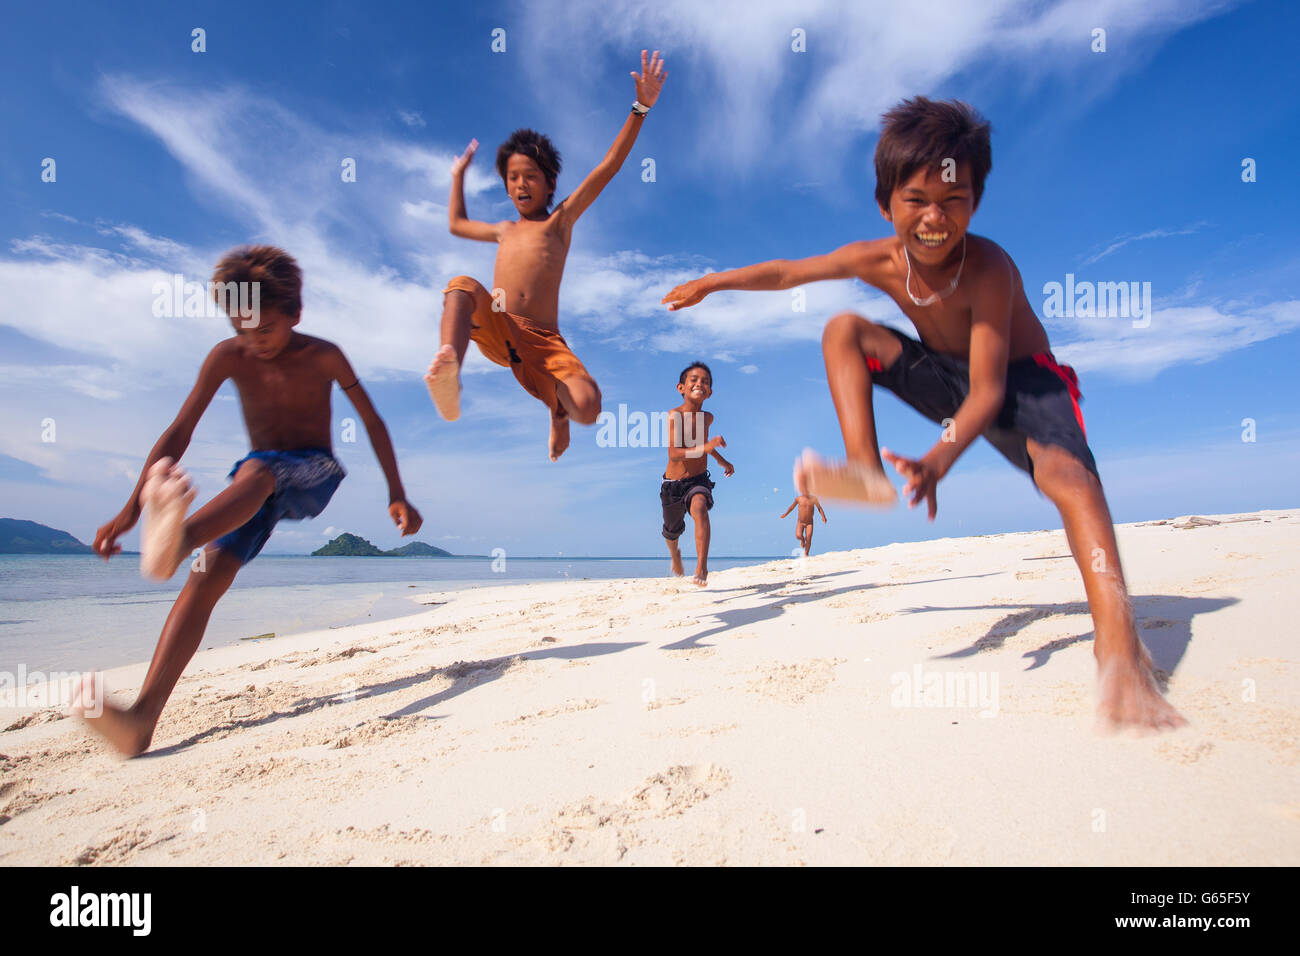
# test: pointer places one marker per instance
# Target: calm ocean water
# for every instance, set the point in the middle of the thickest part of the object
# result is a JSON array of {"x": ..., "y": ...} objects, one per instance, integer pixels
[{"x": 77, "y": 612}]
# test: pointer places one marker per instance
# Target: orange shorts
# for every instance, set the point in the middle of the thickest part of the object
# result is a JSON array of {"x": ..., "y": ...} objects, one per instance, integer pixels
[{"x": 539, "y": 357}]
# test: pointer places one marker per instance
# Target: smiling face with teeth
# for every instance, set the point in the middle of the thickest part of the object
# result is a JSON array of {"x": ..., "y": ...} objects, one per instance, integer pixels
[
  {"x": 696, "y": 385},
  {"x": 930, "y": 215}
]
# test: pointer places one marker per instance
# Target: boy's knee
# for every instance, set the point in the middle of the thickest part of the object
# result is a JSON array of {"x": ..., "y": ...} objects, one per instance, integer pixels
[
  {"x": 845, "y": 326},
  {"x": 1058, "y": 473},
  {"x": 699, "y": 508},
  {"x": 585, "y": 395},
  {"x": 585, "y": 412}
]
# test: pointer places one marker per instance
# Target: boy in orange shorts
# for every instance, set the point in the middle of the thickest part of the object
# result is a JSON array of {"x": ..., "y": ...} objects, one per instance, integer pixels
[{"x": 516, "y": 324}]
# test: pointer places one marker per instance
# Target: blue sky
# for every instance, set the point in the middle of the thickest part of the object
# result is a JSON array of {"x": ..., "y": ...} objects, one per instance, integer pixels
[{"x": 1115, "y": 166}]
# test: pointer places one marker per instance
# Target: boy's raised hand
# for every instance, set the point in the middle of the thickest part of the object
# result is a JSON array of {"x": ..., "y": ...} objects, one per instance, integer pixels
[
  {"x": 460, "y": 162},
  {"x": 685, "y": 295},
  {"x": 650, "y": 80},
  {"x": 922, "y": 479},
  {"x": 405, "y": 516}
]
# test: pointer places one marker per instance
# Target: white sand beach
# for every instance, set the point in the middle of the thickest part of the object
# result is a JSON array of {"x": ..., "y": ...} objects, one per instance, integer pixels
[{"x": 788, "y": 714}]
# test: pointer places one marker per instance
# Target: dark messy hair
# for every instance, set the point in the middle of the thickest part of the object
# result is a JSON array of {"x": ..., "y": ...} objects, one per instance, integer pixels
[
  {"x": 539, "y": 149},
  {"x": 921, "y": 133},
  {"x": 275, "y": 271},
  {"x": 681, "y": 379}
]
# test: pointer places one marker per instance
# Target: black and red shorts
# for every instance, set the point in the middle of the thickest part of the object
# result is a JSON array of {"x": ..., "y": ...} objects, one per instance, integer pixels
[
  {"x": 675, "y": 496},
  {"x": 1042, "y": 399}
]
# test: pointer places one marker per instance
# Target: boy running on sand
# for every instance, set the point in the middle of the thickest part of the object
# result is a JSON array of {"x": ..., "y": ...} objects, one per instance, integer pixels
[
  {"x": 687, "y": 486},
  {"x": 803, "y": 521},
  {"x": 983, "y": 366},
  {"x": 517, "y": 324},
  {"x": 284, "y": 380}
]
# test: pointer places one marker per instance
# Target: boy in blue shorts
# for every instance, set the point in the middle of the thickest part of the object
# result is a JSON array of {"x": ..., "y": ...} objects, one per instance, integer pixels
[
  {"x": 284, "y": 380},
  {"x": 983, "y": 366}
]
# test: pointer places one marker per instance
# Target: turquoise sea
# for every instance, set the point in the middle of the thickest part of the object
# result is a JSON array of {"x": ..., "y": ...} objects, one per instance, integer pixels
[{"x": 78, "y": 612}]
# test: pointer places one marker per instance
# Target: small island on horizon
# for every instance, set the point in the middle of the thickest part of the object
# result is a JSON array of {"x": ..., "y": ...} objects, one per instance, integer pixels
[{"x": 353, "y": 546}]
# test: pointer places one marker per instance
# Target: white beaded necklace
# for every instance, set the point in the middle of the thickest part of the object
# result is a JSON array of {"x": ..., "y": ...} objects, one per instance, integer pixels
[{"x": 934, "y": 296}]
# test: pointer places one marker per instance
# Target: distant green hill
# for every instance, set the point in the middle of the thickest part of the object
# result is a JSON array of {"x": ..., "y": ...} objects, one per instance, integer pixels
[
  {"x": 27, "y": 537},
  {"x": 418, "y": 549},
  {"x": 351, "y": 546}
]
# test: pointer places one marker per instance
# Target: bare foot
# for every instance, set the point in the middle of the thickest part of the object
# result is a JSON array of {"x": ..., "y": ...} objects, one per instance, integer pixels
[
  {"x": 559, "y": 440},
  {"x": 701, "y": 576},
  {"x": 166, "y": 496},
  {"x": 847, "y": 481},
  {"x": 677, "y": 570},
  {"x": 443, "y": 379},
  {"x": 1128, "y": 697},
  {"x": 126, "y": 732}
]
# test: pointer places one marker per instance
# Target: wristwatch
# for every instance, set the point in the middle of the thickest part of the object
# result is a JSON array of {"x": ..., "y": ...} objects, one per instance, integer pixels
[{"x": 639, "y": 108}]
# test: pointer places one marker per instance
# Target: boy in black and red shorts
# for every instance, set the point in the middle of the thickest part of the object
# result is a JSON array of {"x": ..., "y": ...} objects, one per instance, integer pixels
[
  {"x": 982, "y": 366},
  {"x": 687, "y": 487}
]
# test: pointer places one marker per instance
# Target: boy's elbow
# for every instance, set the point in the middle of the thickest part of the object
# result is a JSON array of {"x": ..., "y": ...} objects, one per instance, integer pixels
[{"x": 785, "y": 275}]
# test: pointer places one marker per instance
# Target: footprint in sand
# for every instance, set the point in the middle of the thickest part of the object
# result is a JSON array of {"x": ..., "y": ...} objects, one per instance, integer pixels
[
  {"x": 791, "y": 683},
  {"x": 603, "y": 831},
  {"x": 569, "y": 707}
]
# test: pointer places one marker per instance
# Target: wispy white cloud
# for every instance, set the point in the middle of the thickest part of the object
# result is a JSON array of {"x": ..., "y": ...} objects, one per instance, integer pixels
[
  {"x": 1176, "y": 336},
  {"x": 1119, "y": 242},
  {"x": 412, "y": 118},
  {"x": 89, "y": 380},
  {"x": 751, "y": 89}
]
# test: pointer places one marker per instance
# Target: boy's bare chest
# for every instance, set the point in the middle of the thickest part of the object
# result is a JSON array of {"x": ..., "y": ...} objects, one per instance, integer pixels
[
  {"x": 282, "y": 387},
  {"x": 532, "y": 248},
  {"x": 943, "y": 325}
]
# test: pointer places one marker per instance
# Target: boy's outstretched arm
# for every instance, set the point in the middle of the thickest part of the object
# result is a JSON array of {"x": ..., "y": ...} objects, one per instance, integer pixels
[
  {"x": 171, "y": 444},
  {"x": 462, "y": 225},
  {"x": 648, "y": 84},
  {"x": 846, "y": 262},
  {"x": 818, "y": 506},
  {"x": 791, "y": 508},
  {"x": 990, "y": 331},
  {"x": 404, "y": 515}
]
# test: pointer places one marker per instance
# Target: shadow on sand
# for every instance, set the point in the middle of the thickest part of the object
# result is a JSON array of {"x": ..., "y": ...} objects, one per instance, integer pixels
[
  {"x": 775, "y": 607},
  {"x": 466, "y": 675},
  {"x": 1164, "y": 622}
]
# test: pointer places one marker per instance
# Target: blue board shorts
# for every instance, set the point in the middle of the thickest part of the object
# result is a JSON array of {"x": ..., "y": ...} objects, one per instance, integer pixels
[{"x": 305, "y": 480}]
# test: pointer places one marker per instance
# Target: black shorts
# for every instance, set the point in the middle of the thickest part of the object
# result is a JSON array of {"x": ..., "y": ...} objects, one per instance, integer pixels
[
  {"x": 675, "y": 496},
  {"x": 1042, "y": 399}
]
